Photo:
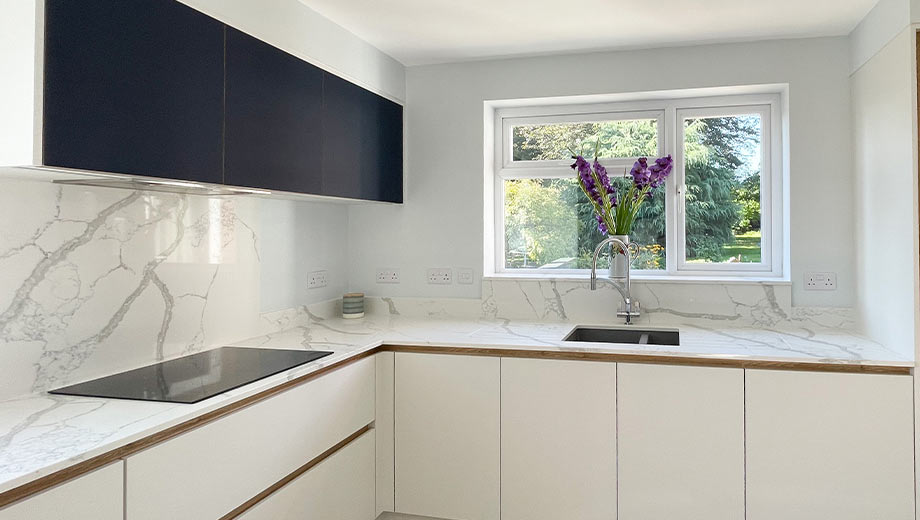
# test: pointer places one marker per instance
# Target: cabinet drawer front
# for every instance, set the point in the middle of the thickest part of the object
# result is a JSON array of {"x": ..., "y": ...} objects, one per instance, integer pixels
[
  {"x": 209, "y": 471},
  {"x": 829, "y": 446},
  {"x": 95, "y": 496},
  {"x": 339, "y": 488}
]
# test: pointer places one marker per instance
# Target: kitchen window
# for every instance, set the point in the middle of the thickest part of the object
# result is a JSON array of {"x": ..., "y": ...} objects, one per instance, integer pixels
[{"x": 720, "y": 214}]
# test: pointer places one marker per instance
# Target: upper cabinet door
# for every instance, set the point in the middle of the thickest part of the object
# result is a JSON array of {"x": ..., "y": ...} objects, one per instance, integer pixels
[
  {"x": 363, "y": 143},
  {"x": 133, "y": 86},
  {"x": 274, "y": 118}
]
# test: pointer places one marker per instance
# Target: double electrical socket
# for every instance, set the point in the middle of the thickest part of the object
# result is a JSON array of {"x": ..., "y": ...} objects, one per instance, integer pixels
[
  {"x": 820, "y": 281},
  {"x": 317, "y": 279},
  {"x": 441, "y": 275},
  {"x": 387, "y": 275}
]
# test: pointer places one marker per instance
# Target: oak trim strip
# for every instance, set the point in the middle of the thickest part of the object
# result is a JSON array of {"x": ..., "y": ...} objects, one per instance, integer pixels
[
  {"x": 249, "y": 504},
  {"x": 81, "y": 468},
  {"x": 657, "y": 359}
]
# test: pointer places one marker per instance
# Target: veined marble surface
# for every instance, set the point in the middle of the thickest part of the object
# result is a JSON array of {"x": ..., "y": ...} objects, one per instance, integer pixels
[
  {"x": 96, "y": 280},
  {"x": 43, "y": 433}
]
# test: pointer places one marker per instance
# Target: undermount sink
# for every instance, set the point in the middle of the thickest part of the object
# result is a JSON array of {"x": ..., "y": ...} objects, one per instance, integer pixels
[{"x": 633, "y": 336}]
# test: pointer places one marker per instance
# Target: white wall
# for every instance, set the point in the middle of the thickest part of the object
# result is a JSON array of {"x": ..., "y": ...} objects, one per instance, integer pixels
[
  {"x": 17, "y": 88},
  {"x": 885, "y": 21},
  {"x": 884, "y": 163},
  {"x": 441, "y": 222},
  {"x": 297, "y": 238}
]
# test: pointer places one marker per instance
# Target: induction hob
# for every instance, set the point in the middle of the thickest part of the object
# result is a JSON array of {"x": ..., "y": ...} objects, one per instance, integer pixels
[{"x": 190, "y": 379}]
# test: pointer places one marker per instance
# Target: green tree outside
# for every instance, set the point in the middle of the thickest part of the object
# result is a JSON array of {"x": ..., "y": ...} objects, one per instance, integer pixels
[{"x": 549, "y": 222}]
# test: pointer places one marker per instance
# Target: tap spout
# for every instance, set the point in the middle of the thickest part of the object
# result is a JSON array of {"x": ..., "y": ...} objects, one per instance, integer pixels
[{"x": 624, "y": 288}]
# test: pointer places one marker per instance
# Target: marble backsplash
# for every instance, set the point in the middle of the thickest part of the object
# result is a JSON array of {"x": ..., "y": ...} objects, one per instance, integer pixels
[
  {"x": 752, "y": 304},
  {"x": 95, "y": 280}
]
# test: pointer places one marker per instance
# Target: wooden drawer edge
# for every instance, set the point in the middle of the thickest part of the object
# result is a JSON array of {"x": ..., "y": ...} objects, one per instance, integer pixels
[{"x": 294, "y": 474}]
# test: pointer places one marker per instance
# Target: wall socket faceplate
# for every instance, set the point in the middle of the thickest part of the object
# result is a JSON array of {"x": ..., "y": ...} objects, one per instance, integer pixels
[
  {"x": 387, "y": 275},
  {"x": 440, "y": 275},
  {"x": 465, "y": 276},
  {"x": 820, "y": 281},
  {"x": 317, "y": 279}
]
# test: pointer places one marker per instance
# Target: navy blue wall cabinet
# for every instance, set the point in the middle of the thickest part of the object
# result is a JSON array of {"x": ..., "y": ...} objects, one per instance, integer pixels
[
  {"x": 362, "y": 143},
  {"x": 133, "y": 86},
  {"x": 156, "y": 88},
  {"x": 274, "y": 118}
]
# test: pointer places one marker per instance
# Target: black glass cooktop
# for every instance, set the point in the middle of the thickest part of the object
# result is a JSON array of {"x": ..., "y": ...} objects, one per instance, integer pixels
[{"x": 193, "y": 378}]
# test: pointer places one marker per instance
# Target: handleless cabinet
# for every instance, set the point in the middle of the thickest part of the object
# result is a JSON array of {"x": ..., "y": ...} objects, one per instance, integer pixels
[
  {"x": 133, "y": 86},
  {"x": 824, "y": 445},
  {"x": 447, "y": 436},
  {"x": 558, "y": 439},
  {"x": 363, "y": 143},
  {"x": 274, "y": 118},
  {"x": 681, "y": 442},
  {"x": 95, "y": 496}
]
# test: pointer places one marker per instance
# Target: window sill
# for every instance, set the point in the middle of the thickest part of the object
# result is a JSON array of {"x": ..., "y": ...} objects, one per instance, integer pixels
[{"x": 644, "y": 278}]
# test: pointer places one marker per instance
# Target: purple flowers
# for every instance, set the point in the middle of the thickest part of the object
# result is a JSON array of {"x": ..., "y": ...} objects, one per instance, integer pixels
[
  {"x": 602, "y": 175},
  {"x": 600, "y": 224},
  {"x": 614, "y": 214},
  {"x": 652, "y": 176},
  {"x": 586, "y": 178}
]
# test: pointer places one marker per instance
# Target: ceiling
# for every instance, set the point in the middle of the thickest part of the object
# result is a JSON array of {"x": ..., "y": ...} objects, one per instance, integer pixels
[{"x": 419, "y": 32}]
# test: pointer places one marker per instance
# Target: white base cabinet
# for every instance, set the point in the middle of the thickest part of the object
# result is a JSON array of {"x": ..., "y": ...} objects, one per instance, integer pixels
[
  {"x": 209, "y": 471},
  {"x": 826, "y": 445},
  {"x": 447, "y": 436},
  {"x": 95, "y": 496},
  {"x": 558, "y": 440},
  {"x": 340, "y": 487},
  {"x": 680, "y": 442}
]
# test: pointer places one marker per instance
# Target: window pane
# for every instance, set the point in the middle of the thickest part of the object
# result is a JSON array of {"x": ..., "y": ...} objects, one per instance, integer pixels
[
  {"x": 723, "y": 161},
  {"x": 549, "y": 224},
  {"x": 558, "y": 141}
]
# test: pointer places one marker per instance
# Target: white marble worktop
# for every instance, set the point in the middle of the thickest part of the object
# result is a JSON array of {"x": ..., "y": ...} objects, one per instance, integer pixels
[{"x": 41, "y": 434}]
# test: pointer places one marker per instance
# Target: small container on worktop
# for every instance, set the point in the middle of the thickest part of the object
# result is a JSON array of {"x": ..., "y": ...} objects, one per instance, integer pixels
[{"x": 353, "y": 305}]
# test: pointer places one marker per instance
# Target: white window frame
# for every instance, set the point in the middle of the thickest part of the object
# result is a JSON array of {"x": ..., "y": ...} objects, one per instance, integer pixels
[{"x": 670, "y": 113}]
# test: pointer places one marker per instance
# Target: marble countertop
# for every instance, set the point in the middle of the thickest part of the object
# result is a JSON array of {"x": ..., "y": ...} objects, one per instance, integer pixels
[{"x": 42, "y": 434}]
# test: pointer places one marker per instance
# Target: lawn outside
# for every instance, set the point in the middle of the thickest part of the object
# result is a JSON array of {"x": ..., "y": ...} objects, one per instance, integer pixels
[{"x": 746, "y": 247}]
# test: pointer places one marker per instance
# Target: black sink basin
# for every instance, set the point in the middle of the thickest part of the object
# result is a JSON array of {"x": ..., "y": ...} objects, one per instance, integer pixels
[{"x": 633, "y": 336}]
